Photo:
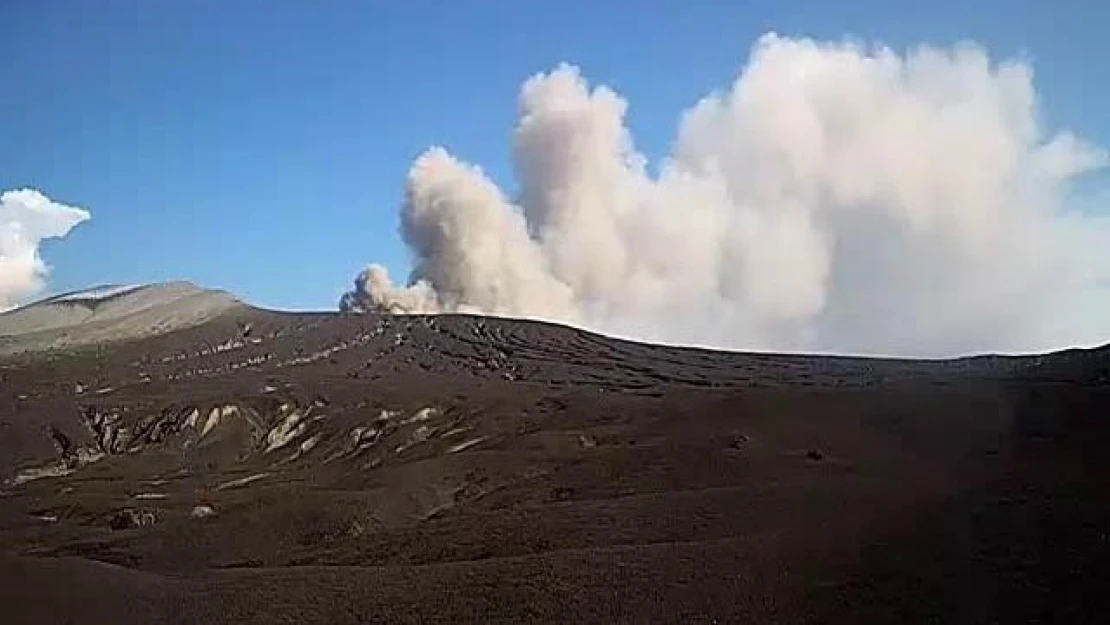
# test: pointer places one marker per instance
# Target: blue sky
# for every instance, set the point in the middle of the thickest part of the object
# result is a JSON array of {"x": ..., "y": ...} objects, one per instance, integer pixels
[{"x": 262, "y": 146}]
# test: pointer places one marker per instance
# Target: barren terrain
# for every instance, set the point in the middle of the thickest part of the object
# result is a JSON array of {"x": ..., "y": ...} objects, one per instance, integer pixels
[{"x": 267, "y": 467}]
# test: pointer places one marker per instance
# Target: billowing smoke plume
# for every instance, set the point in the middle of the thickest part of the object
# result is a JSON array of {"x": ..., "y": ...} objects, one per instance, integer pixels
[
  {"x": 26, "y": 218},
  {"x": 838, "y": 197}
]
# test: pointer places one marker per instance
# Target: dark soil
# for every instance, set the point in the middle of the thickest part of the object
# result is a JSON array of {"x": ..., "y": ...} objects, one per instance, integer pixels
[{"x": 365, "y": 469}]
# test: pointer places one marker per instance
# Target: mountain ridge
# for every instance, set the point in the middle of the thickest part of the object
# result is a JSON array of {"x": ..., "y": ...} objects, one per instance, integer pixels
[
  {"x": 79, "y": 324},
  {"x": 110, "y": 313}
]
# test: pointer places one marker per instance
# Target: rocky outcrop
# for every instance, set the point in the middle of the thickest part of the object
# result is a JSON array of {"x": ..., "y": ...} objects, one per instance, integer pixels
[
  {"x": 114, "y": 435},
  {"x": 130, "y": 518}
]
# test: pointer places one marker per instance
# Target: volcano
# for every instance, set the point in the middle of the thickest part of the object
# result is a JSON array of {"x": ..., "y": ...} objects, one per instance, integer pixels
[{"x": 171, "y": 454}]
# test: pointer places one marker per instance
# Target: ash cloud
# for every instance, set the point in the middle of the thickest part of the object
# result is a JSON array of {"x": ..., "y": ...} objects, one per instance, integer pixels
[
  {"x": 27, "y": 217},
  {"x": 838, "y": 197}
]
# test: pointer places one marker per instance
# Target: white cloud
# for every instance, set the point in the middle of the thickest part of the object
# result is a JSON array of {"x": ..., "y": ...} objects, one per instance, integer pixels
[
  {"x": 27, "y": 217},
  {"x": 837, "y": 197}
]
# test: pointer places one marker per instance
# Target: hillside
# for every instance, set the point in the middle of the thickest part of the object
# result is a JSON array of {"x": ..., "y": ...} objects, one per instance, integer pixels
[
  {"x": 200, "y": 460},
  {"x": 108, "y": 314}
]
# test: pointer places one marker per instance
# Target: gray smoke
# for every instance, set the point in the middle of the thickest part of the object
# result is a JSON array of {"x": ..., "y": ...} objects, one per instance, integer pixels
[
  {"x": 27, "y": 217},
  {"x": 838, "y": 197}
]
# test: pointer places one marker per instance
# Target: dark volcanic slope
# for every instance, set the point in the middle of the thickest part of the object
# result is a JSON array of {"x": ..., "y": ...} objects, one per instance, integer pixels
[{"x": 313, "y": 468}]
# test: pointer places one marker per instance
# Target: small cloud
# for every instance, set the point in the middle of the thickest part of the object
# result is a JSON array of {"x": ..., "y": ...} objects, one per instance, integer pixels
[{"x": 27, "y": 217}]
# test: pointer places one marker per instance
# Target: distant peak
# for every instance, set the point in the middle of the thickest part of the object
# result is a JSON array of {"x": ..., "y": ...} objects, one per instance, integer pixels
[
  {"x": 100, "y": 291},
  {"x": 114, "y": 311}
]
